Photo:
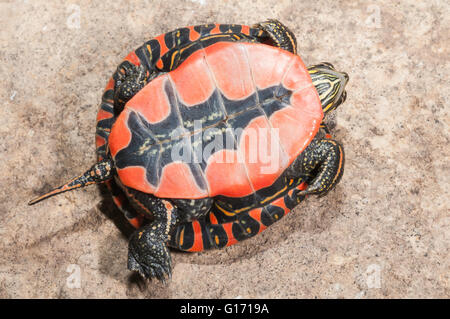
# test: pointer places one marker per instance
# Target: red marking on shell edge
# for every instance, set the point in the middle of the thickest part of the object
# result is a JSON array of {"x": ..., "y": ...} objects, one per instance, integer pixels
[
  {"x": 245, "y": 29},
  {"x": 162, "y": 44},
  {"x": 216, "y": 29},
  {"x": 198, "y": 238},
  {"x": 103, "y": 115},
  {"x": 302, "y": 186},
  {"x": 159, "y": 64},
  {"x": 110, "y": 85},
  {"x": 133, "y": 58},
  {"x": 213, "y": 218},
  {"x": 256, "y": 214},
  {"x": 228, "y": 230},
  {"x": 136, "y": 222},
  {"x": 193, "y": 35},
  {"x": 99, "y": 141}
]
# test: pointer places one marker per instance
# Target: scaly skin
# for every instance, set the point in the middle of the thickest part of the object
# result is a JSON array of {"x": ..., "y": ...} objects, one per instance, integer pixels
[
  {"x": 280, "y": 34},
  {"x": 323, "y": 160},
  {"x": 148, "y": 253}
]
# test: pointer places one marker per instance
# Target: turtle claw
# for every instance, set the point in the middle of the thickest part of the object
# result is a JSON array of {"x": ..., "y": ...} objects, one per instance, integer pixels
[
  {"x": 313, "y": 189},
  {"x": 149, "y": 256},
  {"x": 150, "y": 271},
  {"x": 160, "y": 272}
]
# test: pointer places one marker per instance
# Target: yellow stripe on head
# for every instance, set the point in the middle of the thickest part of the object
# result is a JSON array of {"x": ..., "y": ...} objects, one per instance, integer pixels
[{"x": 330, "y": 85}]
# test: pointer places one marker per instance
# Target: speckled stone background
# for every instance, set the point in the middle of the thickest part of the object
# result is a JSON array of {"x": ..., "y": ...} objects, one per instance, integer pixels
[{"x": 384, "y": 232}]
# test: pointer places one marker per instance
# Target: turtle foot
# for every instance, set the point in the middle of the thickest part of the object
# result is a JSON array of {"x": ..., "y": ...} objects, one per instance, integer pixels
[
  {"x": 148, "y": 255},
  {"x": 129, "y": 80}
]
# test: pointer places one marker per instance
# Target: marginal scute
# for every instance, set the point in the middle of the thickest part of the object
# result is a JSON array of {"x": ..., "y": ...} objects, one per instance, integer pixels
[
  {"x": 103, "y": 115},
  {"x": 133, "y": 58}
]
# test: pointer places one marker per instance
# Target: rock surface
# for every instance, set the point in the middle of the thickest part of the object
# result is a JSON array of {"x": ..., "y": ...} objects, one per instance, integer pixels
[{"x": 384, "y": 232}]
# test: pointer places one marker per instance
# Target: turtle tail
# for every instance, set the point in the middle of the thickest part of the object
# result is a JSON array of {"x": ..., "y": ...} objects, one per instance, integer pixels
[{"x": 100, "y": 172}]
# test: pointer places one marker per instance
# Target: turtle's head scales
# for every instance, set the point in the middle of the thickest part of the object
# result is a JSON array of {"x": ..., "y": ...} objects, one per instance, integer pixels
[{"x": 330, "y": 85}]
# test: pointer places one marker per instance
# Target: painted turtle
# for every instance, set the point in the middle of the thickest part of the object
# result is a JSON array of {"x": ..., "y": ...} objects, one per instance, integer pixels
[{"x": 206, "y": 136}]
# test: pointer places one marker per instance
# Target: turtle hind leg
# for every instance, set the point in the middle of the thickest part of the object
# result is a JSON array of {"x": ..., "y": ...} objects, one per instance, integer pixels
[
  {"x": 279, "y": 34},
  {"x": 323, "y": 162},
  {"x": 148, "y": 253}
]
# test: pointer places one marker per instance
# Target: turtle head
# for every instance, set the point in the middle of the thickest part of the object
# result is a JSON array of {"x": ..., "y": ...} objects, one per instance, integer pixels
[{"x": 330, "y": 85}]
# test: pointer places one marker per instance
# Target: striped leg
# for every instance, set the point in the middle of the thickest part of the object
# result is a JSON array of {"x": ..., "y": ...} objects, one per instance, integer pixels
[
  {"x": 280, "y": 35},
  {"x": 148, "y": 253},
  {"x": 323, "y": 160}
]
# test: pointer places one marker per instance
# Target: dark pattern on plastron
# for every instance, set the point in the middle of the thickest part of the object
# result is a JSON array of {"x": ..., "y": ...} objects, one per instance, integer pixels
[{"x": 153, "y": 145}]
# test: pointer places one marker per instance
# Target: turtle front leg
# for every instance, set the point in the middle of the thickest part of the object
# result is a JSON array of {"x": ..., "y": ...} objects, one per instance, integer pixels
[
  {"x": 148, "y": 252},
  {"x": 322, "y": 162},
  {"x": 279, "y": 34},
  {"x": 129, "y": 80}
]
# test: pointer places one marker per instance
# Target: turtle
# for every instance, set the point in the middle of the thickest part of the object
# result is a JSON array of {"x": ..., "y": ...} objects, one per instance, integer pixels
[{"x": 174, "y": 138}]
